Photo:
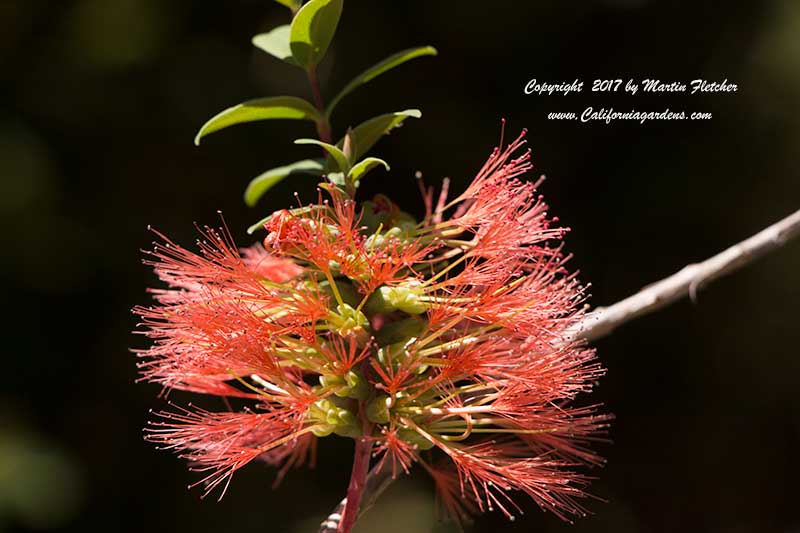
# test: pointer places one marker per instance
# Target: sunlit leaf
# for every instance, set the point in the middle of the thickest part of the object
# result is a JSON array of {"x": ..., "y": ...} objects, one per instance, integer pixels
[
  {"x": 360, "y": 169},
  {"x": 378, "y": 69},
  {"x": 312, "y": 30},
  {"x": 336, "y": 153},
  {"x": 278, "y": 107},
  {"x": 368, "y": 133},
  {"x": 276, "y": 43},
  {"x": 337, "y": 178},
  {"x": 291, "y": 4},
  {"x": 261, "y": 184}
]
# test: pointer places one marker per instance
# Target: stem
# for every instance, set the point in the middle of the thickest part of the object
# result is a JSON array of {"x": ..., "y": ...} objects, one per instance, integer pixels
[
  {"x": 358, "y": 480},
  {"x": 323, "y": 126},
  {"x": 378, "y": 480}
]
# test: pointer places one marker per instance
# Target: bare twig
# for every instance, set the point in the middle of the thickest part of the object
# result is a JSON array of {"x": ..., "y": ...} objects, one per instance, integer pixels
[
  {"x": 687, "y": 281},
  {"x": 603, "y": 320}
]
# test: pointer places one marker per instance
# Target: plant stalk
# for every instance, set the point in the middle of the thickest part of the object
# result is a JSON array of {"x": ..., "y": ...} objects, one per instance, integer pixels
[
  {"x": 358, "y": 480},
  {"x": 323, "y": 126}
]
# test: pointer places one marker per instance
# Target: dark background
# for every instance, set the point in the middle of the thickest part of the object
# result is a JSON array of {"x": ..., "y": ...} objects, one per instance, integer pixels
[{"x": 100, "y": 99}]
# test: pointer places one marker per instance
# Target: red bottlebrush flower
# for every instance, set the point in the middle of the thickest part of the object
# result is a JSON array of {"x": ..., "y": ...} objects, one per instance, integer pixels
[{"x": 443, "y": 337}]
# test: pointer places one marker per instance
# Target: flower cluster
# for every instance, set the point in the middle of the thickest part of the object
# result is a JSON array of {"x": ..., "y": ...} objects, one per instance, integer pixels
[{"x": 443, "y": 342}]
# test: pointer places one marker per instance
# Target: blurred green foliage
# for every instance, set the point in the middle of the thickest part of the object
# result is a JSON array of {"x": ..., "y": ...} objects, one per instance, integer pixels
[{"x": 40, "y": 487}]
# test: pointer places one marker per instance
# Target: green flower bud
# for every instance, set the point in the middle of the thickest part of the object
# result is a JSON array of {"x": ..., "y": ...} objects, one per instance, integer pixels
[
  {"x": 332, "y": 417},
  {"x": 389, "y": 355},
  {"x": 351, "y": 385},
  {"x": 348, "y": 320},
  {"x": 412, "y": 437},
  {"x": 329, "y": 418},
  {"x": 323, "y": 431},
  {"x": 331, "y": 381},
  {"x": 404, "y": 298},
  {"x": 318, "y": 414},
  {"x": 400, "y": 331},
  {"x": 359, "y": 388},
  {"x": 378, "y": 409},
  {"x": 394, "y": 354},
  {"x": 348, "y": 425}
]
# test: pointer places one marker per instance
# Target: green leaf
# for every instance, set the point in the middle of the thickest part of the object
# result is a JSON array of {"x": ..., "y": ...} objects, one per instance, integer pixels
[
  {"x": 312, "y": 30},
  {"x": 336, "y": 153},
  {"x": 368, "y": 133},
  {"x": 362, "y": 167},
  {"x": 378, "y": 69},
  {"x": 286, "y": 107},
  {"x": 258, "y": 225},
  {"x": 261, "y": 184},
  {"x": 276, "y": 43},
  {"x": 337, "y": 178}
]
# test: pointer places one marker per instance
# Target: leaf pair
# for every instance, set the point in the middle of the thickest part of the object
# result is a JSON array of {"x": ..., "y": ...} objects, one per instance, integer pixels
[
  {"x": 292, "y": 107},
  {"x": 346, "y": 174},
  {"x": 364, "y": 137}
]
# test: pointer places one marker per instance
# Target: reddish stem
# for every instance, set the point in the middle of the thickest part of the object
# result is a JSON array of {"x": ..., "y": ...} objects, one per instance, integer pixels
[
  {"x": 323, "y": 126},
  {"x": 358, "y": 480}
]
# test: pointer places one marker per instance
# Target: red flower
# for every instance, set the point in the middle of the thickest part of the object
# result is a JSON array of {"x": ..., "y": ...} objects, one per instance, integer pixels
[{"x": 447, "y": 337}]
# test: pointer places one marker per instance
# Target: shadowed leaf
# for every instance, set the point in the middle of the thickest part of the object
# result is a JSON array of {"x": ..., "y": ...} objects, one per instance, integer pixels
[
  {"x": 261, "y": 184},
  {"x": 336, "y": 153},
  {"x": 378, "y": 69},
  {"x": 361, "y": 168},
  {"x": 276, "y": 43},
  {"x": 368, "y": 133}
]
